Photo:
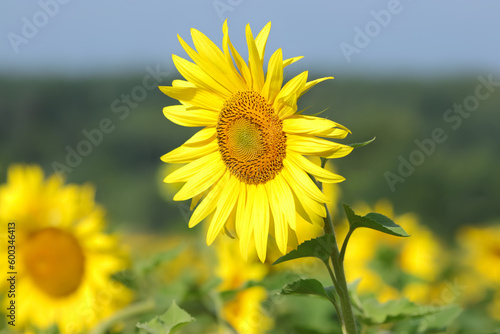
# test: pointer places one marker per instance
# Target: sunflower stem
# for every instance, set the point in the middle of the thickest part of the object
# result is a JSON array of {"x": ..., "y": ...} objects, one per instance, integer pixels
[
  {"x": 126, "y": 313},
  {"x": 347, "y": 316},
  {"x": 344, "y": 245}
]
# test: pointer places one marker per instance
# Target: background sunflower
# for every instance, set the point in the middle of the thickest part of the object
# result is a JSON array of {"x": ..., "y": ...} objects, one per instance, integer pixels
[{"x": 64, "y": 258}]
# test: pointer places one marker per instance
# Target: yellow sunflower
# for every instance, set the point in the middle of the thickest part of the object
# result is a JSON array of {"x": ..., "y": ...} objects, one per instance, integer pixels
[
  {"x": 244, "y": 312},
  {"x": 63, "y": 259},
  {"x": 246, "y": 168}
]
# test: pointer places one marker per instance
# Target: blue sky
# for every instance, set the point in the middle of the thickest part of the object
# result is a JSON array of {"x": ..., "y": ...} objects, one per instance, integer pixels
[{"x": 79, "y": 37}]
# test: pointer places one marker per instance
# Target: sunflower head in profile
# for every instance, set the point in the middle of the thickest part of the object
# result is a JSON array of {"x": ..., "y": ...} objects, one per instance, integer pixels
[
  {"x": 64, "y": 261},
  {"x": 245, "y": 169}
]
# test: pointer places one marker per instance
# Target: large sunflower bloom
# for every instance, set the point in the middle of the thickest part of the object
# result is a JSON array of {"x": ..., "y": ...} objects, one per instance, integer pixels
[
  {"x": 246, "y": 168},
  {"x": 64, "y": 261}
]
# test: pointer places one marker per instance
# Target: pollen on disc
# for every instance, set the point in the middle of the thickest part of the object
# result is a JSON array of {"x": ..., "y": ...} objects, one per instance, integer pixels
[{"x": 251, "y": 138}]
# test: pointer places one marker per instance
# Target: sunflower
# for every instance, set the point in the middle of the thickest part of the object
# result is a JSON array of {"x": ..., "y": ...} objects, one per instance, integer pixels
[
  {"x": 244, "y": 312},
  {"x": 245, "y": 169},
  {"x": 63, "y": 259}
]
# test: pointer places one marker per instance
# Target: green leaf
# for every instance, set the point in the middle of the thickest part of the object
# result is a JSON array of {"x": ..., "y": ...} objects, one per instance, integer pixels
[
  {"x": 356, "y": 145},
  {"x": 320, "y": 247},
  {"x": 167, "y": 323},
  {"x": 331, "y": 292},
  {"x": 309, "y": 286},
  {"x": 351, "y": 216},
  {"x": 125, "y": 277},
  {"x": 375, "y": 221},
  {"x": 429, "y": 317},
  {"x": 439, "y": 321}
]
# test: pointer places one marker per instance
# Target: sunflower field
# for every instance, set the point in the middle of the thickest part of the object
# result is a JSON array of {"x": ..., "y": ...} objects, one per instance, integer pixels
[{"x": 249, "y": 194}]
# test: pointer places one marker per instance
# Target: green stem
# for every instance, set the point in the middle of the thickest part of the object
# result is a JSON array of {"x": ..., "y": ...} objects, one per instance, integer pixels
[
  {"x": 348, "y": 321},
  {"x": 332, "y": 276},
  {"x": 344, "y": 245},
  {"x": 125, "y": 313}
]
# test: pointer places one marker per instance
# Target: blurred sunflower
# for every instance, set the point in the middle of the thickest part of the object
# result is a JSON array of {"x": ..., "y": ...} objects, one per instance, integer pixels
[
  {"x": 245, "y": 169},
  {"x": 64, "y": 260},
  {"x": 394, "y": 267},
  {"x": 244, "y": 312},
  {"x": 480, "y": 265},
  {"x": 481, "y": 253}
]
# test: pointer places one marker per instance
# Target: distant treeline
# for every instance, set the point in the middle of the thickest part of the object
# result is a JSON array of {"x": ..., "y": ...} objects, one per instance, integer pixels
[{"x": 436, "y": 152}]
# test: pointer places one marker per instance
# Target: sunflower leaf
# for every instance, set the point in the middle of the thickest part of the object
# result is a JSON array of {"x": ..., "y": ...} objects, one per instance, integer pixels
[
  {"x": 375, "y": 221},
  {"x": 308, "y": 286},
  {"x": 167, "y": 323},
  {"x": 320, "y": 247},
  {"x": 429, "y": 318},
  {"x": 356, "y": 145}
]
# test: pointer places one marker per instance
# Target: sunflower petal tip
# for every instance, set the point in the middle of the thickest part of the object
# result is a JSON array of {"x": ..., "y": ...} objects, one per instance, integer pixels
[
  {"x": 165, "y": 158},
  {"x": 210, "y": 239}
]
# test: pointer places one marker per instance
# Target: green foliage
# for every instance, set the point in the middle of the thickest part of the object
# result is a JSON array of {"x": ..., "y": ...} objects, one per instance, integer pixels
[
  {"x": 309, "y": 286},
  {"x": 356, "y": 145},
  {"x": 320, "y": 247},
  {"x": 169, "y": 322},
  {"x": 374, "y": 312},
  {"x": 375, "y": 221}
]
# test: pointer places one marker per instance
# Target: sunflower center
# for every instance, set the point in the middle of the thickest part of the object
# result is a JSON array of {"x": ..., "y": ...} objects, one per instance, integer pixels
[
  {"x": 55, "y": 261},
  {"x": 251, "y": 138}
]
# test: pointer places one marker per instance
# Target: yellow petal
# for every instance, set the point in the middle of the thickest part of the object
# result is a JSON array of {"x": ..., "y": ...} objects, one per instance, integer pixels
[
  {"x": 285, "y": 107},
  {"x": 186, "y": 172},
  {"x": 311, "y": 84},
  {"x": 260, "y": 219},
  {"x": 286, "y": 201},
  {"x": 254, "y": 61},
  {"x": 319, "y": 173},
  {"x": 207, "y": 205},
  {"x": 290, "y": 61},
  {"x": 295, "y": 176},
  {"x": 229, "y": 60},
  {"x": 280, "y": 225},
  {"x": 196, "y": 200},
  {"x": 193, "y": 117},
  {"x": 194, "y": 96},
  {"x": 188, "y": 153},
  {"x": 193, "y": 73},
  {"x": 214, "y": 65},
  {"x": 246, "y": 228},
  {"x": 306, "y": 208},
  {"x": 307, "y": 145},
  {"x": 312, "y": 125},
  {"x": 206, "y": 47},
  {"x": 240, "y": 209},
  {"x": 202, "y": 181},
  {"x": 225, "y": 206},
  {"x": 240, "y": 63},
  {"x": 274, "y": 77},
  {"x": 294, "y": 86},
  {"x": 342, "y": 151},
  {"x": 261, "y": 40},
  {"x": 204, "y": 135}
]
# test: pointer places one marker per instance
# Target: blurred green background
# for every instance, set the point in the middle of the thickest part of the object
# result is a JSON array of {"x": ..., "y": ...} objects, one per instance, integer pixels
[
  {"x": 458, "y": 184},
  {"x": 65, "y": 67}
]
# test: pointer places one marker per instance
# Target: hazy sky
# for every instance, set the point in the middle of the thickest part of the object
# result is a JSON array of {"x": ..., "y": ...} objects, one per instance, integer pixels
[{"x": 75, "y": 37}]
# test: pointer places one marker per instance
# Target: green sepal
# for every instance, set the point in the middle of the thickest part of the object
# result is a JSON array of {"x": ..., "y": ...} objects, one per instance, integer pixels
[{"x": 356, "y": 145}]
